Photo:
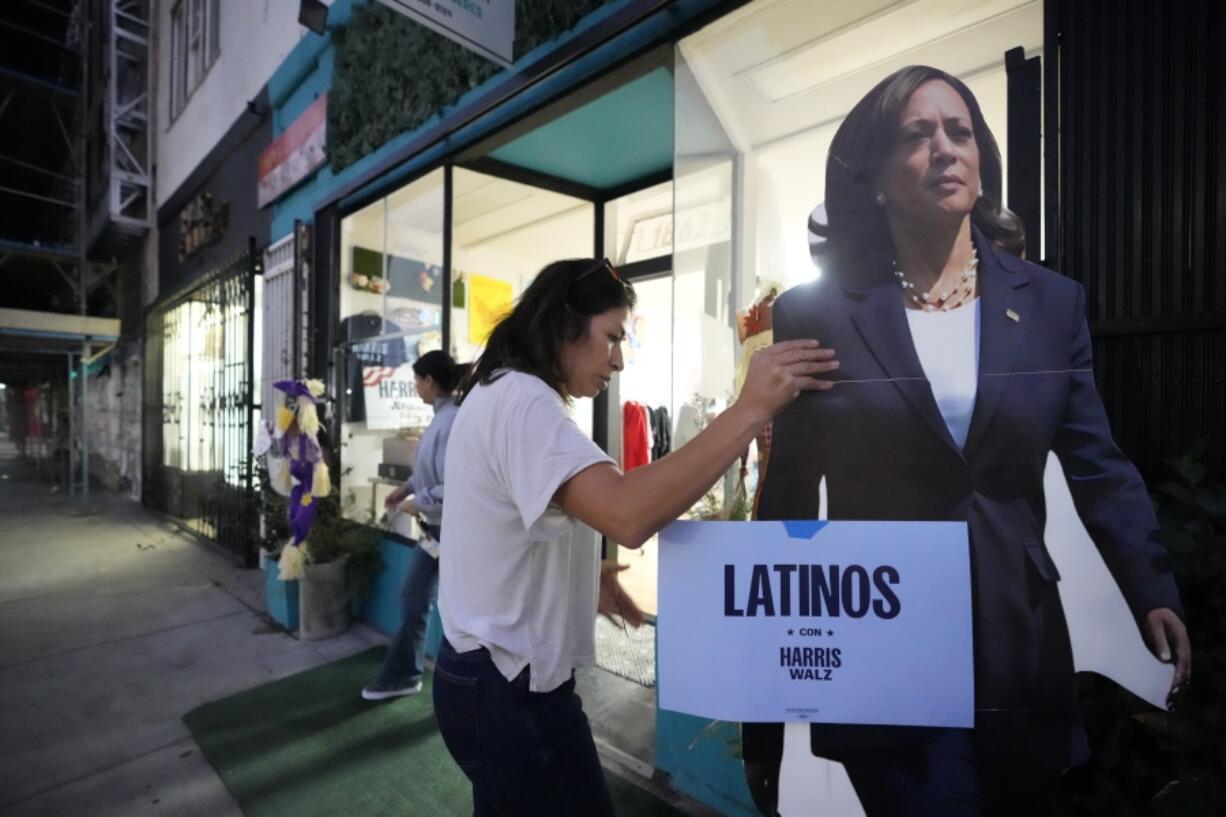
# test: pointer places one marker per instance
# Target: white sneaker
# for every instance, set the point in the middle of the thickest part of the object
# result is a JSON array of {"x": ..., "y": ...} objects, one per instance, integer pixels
[{"x": 373, "y": 694}]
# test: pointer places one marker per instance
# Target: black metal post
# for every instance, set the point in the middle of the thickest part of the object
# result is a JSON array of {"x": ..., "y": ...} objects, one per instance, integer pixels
[
  {"x": 296, "y": 318},
  {"x": 1053, "y": 251},
  {"x": 448, "y": 204},
  {"x": 1025, "y": 90},
  {"x": 254, "y": 267}
]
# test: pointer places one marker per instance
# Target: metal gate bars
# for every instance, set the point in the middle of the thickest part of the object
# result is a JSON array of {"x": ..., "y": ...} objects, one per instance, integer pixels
[{"x": 201, "y": 408}]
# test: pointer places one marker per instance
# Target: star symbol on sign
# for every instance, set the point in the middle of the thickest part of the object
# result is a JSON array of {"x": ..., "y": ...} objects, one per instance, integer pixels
[
  {"x": 790, "y": 632},
  {"x": 830, "y": 632}
]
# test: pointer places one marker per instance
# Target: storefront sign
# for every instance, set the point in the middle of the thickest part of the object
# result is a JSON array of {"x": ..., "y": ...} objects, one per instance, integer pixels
[
  {"x": 822, "y": 622},
  {"x": 699, "y": 226},
  {"x": 294, "y": 154},
  {"x": 202, "y": 222},
  {"x": 392, "y": 401},
  {"x": 486, "y": 27}
]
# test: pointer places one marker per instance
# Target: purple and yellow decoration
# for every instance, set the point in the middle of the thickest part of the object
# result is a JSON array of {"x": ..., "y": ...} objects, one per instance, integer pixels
[{"x": 296, "y": 467}]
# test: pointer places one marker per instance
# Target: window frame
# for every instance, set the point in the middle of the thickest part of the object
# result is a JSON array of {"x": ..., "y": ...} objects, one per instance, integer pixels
[{"x": 195, "y": 47}]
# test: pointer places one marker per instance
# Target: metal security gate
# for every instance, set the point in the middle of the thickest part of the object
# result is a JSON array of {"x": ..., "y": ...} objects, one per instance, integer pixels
[
  {"x": 1141, "y": 188},
  {"x": 200, "y": 406},
  {"x": 284, "y": 314}
]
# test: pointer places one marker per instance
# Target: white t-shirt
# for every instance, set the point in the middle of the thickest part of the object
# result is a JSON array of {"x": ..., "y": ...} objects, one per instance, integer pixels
[
  {"x": 517, "y": 575},
  {"x": 948, "y": 347}
]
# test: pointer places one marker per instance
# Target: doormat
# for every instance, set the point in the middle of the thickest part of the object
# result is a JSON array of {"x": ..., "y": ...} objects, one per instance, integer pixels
[
  {"x": 629, "y": 653},
  {"x": 309, "y": 746}
]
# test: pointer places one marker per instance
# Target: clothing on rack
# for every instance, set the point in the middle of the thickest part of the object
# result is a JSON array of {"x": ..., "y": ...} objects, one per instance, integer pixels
[
  {"x": 636, "y": 448},
  {"x": 661, "y": 432}
]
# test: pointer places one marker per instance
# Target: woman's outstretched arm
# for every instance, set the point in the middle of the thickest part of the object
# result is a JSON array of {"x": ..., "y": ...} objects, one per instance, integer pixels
[{"x": 630, "y": 508}]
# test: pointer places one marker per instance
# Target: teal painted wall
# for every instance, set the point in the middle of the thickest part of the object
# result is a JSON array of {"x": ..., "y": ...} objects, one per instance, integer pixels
[
  {"x": 382, "y": 608},
  {"x": 701, "y": 760},
  {"x": 280, "y": 598},
  {"x": 589, "y": 144}
]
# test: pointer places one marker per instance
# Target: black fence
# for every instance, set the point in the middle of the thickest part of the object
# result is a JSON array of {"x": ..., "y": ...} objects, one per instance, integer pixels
[
  {"x": 1142, "y": 211},
  {"x": 201, "y": 407}
]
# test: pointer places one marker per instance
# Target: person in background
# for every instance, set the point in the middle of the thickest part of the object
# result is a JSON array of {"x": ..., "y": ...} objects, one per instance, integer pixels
[
  {"x": 436, "y": 376},
  {"x": 520, "y": 592}
]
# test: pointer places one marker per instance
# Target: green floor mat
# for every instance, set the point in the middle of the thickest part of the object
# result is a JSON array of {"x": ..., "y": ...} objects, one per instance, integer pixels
[{"x": 308, "y": 746}]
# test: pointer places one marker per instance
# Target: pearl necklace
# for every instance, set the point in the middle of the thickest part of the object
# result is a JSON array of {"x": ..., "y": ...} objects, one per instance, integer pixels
[{"x": 951, "y": 298}]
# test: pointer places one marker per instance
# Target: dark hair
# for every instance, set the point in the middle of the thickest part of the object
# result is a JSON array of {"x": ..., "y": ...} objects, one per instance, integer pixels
[
  {"x": 557, "y": 307},
  {"x": 856, "y": 232},
  {"x": 439, "y": 365}
]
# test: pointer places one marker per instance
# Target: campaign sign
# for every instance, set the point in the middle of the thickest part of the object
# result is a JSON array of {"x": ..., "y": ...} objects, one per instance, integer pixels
[
  {"x": 485, "y": 27},
  {"x": 818, "y": 622},
  {"x": 392, "y": 401}
]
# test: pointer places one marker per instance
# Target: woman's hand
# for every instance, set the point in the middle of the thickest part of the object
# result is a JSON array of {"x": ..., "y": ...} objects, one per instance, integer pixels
[
  {"x": 614, "y": 601},
  {"x": 410, "y": 507},
  {"x": 1168, "y": 641},
  {"x": 780, "y": 372},
  {"x": 395, "y": 497}
]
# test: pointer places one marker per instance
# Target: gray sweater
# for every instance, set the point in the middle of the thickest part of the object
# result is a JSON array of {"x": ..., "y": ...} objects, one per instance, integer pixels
[{"x": 426, "y": 483}]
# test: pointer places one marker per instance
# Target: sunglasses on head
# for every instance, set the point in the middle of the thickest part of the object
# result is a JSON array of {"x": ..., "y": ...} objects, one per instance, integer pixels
[{"x": 605, "y": 265}]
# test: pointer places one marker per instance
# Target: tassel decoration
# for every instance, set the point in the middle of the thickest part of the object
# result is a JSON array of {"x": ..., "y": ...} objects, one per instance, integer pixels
[
  {"x": 308, "y": 420},
  {"x": 279, "y": 475},
  {"x": 321, "y": 480},
  {"x": 285, "y": 416},
  {"x": 292, "y": 564},
  {"x": 316, "y": 388}
]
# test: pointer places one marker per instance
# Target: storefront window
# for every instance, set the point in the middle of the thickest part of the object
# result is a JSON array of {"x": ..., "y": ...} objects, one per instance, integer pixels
[
  {"x": 639, "y": 226},
  {"x": 503, "y": 233},
  {"x": 391, "y": 294},
  {"x": 204, "y": 363}
]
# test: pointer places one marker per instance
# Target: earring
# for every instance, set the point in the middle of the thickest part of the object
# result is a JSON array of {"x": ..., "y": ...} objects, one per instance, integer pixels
[
  {"x": 981, "y": 191},
  {"x": 879, "y": 197}
]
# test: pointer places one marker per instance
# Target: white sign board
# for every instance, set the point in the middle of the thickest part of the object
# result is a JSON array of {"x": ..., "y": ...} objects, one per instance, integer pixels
[
  {"x": 391, "y": 399},
  {"x": 817, "y": 622},
  {"x": 486, "y": 27}
]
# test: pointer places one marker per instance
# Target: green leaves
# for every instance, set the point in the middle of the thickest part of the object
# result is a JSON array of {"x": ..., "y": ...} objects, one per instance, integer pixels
[
  {"x": 392, "y": 75},
  {"x": 1151, "y": 762}
]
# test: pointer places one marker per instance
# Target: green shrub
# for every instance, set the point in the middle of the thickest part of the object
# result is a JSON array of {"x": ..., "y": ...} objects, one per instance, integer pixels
[{"x": 1151, "y": 762}]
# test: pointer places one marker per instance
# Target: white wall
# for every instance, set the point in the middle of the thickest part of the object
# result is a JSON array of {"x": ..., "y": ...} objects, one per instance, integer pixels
[
  {"x": 256, "y": 36},
  {"x": 114, "y": 421}
]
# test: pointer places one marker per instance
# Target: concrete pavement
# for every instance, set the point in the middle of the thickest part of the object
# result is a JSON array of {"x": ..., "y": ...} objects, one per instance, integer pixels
[{"x": 112, "y": 627}]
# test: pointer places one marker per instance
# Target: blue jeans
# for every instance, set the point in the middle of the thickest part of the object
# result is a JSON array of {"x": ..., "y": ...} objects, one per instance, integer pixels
[
  {"x": 527, "y": 754},
  {"x": 402, "y": 666}
]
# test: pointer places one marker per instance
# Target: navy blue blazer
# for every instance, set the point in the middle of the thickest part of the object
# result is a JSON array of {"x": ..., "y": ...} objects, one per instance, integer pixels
[{"x": 887, "y": 454}]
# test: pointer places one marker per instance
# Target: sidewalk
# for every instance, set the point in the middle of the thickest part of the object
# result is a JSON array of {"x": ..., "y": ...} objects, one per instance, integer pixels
[{"x": 113, "y": 626}]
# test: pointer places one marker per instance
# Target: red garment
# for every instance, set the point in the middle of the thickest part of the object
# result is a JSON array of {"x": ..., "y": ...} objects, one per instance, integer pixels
[{"x": 635, "y": 445}]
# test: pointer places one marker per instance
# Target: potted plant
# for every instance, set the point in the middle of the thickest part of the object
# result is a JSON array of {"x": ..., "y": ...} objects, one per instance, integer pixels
[
  {"x": 341, "y": 565},
  {"x": 280, "y": 597}
]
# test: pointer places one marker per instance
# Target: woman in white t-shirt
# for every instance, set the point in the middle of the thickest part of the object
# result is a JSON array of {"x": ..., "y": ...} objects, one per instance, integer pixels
[{"x": 519, "y": 590}]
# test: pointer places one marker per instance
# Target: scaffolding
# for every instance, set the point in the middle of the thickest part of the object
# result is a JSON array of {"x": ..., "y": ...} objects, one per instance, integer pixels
[
  {"x": 101, "y": 195},
  {"x": 119, "y": 127}
]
